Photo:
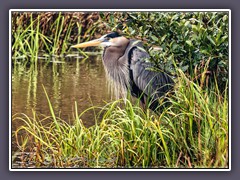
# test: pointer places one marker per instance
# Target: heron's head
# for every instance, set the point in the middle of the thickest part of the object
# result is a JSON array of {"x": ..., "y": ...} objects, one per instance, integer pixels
[{"x": 111, "y": 39}]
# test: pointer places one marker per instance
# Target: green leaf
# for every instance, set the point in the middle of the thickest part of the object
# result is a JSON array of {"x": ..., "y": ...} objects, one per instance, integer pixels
[
  {"x": 224, "y": 38},
  {"x": 175, "y": 17},
  {"x": 204, "y": 51},
  {"x": 194, "y": 28},
  {"x": 186, "y": 23},
  {"x": 211, "y": 40},
  {"x": 184, "y": 68},
  {"x": 142, "y": 49},
  {"x": 225, "y": 17},
  {"x": 163, "y": 38},
  {"x": 154, "y": 38},
  {"x": 174, "y": 46},
  {"x": 189, "y": 42}
]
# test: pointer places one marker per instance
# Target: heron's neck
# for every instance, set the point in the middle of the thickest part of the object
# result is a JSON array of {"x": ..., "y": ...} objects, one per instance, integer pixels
[{"x": 112, "y": 54}]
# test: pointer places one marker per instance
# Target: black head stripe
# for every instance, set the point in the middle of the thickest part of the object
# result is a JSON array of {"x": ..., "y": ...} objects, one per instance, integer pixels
[{"x": 112, "y": 35}]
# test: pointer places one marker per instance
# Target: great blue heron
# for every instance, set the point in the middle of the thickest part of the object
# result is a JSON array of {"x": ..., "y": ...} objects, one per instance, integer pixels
[{"x": 125, "y": 64}]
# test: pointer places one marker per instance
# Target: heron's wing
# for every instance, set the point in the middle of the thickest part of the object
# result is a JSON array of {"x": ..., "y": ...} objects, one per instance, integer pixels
[{"x": 151, "y": 83}]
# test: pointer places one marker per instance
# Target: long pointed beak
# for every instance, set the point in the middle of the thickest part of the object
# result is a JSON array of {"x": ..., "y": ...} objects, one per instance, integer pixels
[{"x": 95, "y": 42}]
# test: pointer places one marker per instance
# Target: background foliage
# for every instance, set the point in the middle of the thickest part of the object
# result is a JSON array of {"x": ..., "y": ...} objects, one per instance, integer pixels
[{"x": 188, "y": 40}]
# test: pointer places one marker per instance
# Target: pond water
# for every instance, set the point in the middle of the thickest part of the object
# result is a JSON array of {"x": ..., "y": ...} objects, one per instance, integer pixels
[{"x": 66, "y": 81}]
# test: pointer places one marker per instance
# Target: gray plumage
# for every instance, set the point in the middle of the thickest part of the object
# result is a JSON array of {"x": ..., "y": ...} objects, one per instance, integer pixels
[{"x": 128, "y": 70}]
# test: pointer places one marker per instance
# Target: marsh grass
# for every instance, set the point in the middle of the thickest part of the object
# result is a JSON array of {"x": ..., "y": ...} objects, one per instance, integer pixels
[
  {"x": 49, "y": 33},
  {"x": 191, "y": 132}
]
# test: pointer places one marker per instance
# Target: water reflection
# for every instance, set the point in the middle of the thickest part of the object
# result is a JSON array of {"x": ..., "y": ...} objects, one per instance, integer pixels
[{"x": 65, "y": 83}]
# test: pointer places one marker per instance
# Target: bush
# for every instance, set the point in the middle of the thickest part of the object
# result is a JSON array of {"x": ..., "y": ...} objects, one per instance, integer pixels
[{"x": 185, "y": 39}]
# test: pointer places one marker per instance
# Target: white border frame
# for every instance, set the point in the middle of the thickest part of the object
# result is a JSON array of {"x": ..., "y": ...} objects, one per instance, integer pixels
[{"x": 115, "y": 10}]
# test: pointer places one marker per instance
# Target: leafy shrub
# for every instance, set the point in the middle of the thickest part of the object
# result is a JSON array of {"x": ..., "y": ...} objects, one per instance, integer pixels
[{"x": 186, "y": 39}]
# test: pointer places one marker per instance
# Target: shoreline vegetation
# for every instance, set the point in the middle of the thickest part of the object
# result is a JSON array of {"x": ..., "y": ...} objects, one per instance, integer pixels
[{"x": 191, "y": 132}]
